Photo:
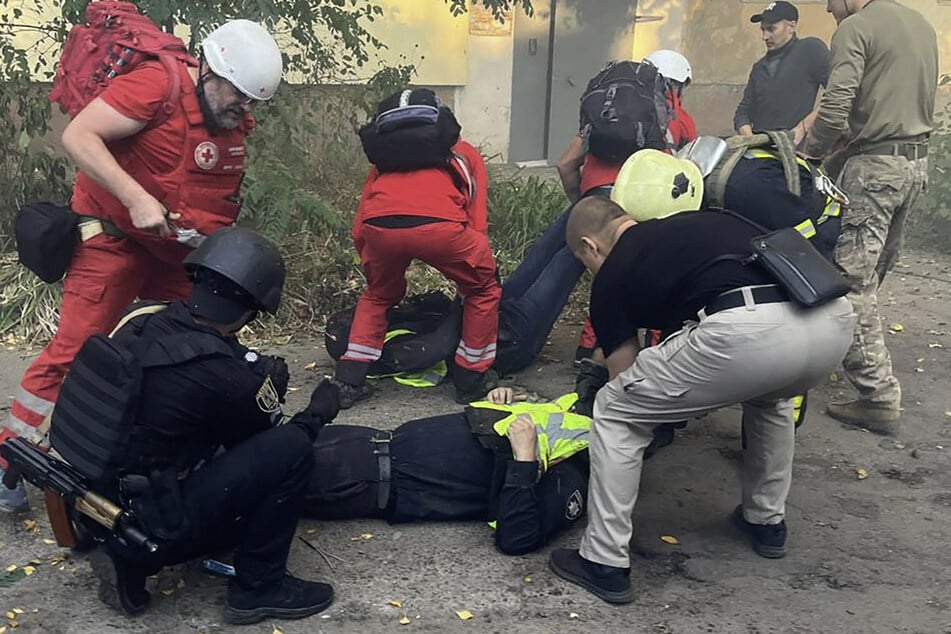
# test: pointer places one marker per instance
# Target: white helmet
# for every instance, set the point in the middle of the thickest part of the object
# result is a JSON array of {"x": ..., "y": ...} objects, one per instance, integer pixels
[
  {"x": 671, "y": 65},
  {"x": 245, "y": 54}
]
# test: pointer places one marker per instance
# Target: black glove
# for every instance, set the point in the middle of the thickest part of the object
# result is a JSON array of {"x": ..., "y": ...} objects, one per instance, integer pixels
[
  {"x": 322, "y": 409},
  {"x": 276, "y": 368},
  {"x": 325, "y": 401}
]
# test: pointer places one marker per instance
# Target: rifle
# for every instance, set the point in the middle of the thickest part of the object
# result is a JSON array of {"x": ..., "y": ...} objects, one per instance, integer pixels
[{"x": 62, "y": 484}]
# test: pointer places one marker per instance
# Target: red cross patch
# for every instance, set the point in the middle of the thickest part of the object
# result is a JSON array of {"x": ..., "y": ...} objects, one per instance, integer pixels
[{"x": 206, "y": 155}]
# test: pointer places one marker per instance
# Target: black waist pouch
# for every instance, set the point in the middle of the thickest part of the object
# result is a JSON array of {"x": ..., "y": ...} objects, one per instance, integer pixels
[
  {"x": 46, "y": 235},
  {"x": 806, "y": 275}
]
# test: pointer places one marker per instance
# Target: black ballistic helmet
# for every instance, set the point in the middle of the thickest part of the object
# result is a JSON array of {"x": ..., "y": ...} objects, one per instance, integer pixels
[{"x": 234, "y": 270}]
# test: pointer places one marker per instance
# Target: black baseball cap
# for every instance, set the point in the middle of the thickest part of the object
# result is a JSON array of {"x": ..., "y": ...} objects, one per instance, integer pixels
[{"x": 776, "y": 11}]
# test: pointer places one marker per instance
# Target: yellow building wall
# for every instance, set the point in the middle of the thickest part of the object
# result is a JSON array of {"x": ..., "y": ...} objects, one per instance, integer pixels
[{"x": 721, "y": 44}]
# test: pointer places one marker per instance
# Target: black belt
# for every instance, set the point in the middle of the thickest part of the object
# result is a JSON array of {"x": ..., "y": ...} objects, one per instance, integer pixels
[
  {"x": 381, "y": 441},
  {"x": 911, "y": 150},
  {"x": 735, "y": 299}
]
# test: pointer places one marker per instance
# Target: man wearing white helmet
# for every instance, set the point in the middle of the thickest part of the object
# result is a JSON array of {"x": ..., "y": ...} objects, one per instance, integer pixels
[
  {"x": 675, "y": 68},
  {"x": 157, "y": 174}
]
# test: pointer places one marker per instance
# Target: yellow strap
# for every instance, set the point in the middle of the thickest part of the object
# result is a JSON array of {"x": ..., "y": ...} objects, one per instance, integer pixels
[
  {"x": 761, "y": 154},
  {"x": 138, "y": 312},
  {"x": 806, "y": 228}
]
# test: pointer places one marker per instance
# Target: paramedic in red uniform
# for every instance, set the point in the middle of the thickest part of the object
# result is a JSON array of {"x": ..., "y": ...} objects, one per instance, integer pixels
[
  {"x": 583, "y": 174},
  {"x": 158, "y": 191},
  {"x": 437, "y": 215}
]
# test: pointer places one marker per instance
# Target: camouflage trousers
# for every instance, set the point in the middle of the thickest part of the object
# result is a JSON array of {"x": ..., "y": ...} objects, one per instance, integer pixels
[{"x": 882, "y": 192}]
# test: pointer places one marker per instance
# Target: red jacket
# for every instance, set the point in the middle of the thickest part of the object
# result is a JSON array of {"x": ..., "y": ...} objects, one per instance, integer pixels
[
  {"x": 682, "y": 127},
  {"x": 456, "y": 192},
  {"x": 189, "y": 171}
]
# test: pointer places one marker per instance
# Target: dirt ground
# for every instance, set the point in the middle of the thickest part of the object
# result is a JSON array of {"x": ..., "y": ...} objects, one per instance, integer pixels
[{"x": 869, "y": 521}]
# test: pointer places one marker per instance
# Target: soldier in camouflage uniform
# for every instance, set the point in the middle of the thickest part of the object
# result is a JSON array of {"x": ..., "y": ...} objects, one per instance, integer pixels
[{"x": 879, "y": 103}]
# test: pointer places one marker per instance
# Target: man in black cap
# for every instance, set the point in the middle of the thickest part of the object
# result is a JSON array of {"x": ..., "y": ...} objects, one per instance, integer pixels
[{"x": 784, "y": 83}]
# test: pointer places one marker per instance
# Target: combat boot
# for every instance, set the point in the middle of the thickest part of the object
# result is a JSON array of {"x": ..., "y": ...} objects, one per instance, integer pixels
[
  {"x": 350, "y": 394},
  {"x": 289, "y": 598},
  {"x": 768, "y": 540},
  {"x": 878, "y": 419},
  {"x": 121, "y": 583}
]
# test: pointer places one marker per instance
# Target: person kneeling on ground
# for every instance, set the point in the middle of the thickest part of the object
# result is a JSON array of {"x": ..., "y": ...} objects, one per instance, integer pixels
[
  {"x": 738, "y": 339},
  {"x": 201, "y": 390}
]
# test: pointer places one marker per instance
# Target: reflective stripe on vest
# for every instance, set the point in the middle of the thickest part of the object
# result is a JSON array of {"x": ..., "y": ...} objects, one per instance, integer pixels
[
  {"x": 832, "y": 208},
  {"x": 561, "y": 434},
  {"x": 427, "y": 378}
]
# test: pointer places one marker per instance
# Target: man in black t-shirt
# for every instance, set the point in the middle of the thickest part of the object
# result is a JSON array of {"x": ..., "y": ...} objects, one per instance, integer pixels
[{"x": 739, "y": 340}]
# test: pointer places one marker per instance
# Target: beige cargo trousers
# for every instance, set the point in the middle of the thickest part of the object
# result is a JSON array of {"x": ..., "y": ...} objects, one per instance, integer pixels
[{"x": 759, "y": 355}]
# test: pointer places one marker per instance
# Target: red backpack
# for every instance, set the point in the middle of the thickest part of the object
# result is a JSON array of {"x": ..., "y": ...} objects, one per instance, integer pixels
[{"x": 113, "y": 41}]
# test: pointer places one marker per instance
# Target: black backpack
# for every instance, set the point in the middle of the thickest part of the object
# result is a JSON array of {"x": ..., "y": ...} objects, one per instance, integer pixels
[
  {"x": 624, "y": 109},
  {"x": 410, "y": 137},
  {"x": 94, "y": 416}
]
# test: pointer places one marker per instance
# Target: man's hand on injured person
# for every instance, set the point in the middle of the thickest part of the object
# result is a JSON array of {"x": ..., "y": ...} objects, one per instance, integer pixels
[{"x": 523, "y": 439}]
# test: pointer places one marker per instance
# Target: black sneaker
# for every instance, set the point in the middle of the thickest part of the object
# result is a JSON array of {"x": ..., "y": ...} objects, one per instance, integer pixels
[
  {"x": 769, "y": 540},
  {"x": 663, "y": 436},
  {"x": 290, "y": 598},
  {"x": 121, "y": 584},
  {"x": 471, "y": 386},
  {"x": 608, "y": 583},
  {"x": 582, "y": 353},
  {"x": 350, "y": 394}
]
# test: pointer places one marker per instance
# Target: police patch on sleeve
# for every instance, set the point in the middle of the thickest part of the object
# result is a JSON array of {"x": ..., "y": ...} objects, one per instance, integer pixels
[
  {"x": 267, "y": 398},
  {"x": 574, "y": 506}
]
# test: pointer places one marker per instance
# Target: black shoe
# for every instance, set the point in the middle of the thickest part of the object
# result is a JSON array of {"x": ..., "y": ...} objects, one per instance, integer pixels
[
  {"x": 582, "y": 353},
  {"x": 769, "y": 540},
  {"x": 663, "y": 436},
  {"x": 121, "y": 584},
  {"x": 591, "y": 378},
  {"x": 608, "y": 583},
  {"x": 471, "y": 386},
  {"x": 350, "y": 394},
  {"x": 290, "y": 598}
]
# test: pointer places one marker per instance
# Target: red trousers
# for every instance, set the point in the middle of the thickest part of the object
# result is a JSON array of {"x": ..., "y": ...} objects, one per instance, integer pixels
[
  {"x": 105, "y": 276},
  {"x": 461, "y": 254}
]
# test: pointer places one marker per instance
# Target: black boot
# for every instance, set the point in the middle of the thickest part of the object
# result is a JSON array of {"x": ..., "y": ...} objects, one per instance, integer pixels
[
  {"x": 289, "y": 598},
  {"x": 768, "y": 540},
  {"x": 472, "y": 386},
  {"x": 350, "y": 394},
  {"x": 608, "y": 583},
  {"x": 121, "y": 582}
]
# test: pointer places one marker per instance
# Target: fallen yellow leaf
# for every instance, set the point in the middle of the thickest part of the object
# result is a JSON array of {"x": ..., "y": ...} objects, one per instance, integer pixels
[
  {"x": 30, "y": 525},
  {"x": 528, "y": 579},
  {"x": 3, "y": 629},
  {"x": 395, "y": 603},
  {"x": 276, "y": 631},
  {"x": 29, "y": 570},
  {"x": 11, "y": 614},
  {"x": 896, "y": 327},
  {"x": 18, "y": 610},
  {"x": 572, "y": 615},
  {"x": 669, "y": 539},
  {"x": 311, "y": 366},
  {"x": 36, "y": 562},
  {"x": 11, "y": 567},
  {"x": 405, "y": 620},
  {"x": 311, "y": 531},
  {"x": 49, "y": 542},
  {"x": 13, "y": 624},
  {"x": 862, "y": 473},
  {"x": 465, "y": 615}
]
